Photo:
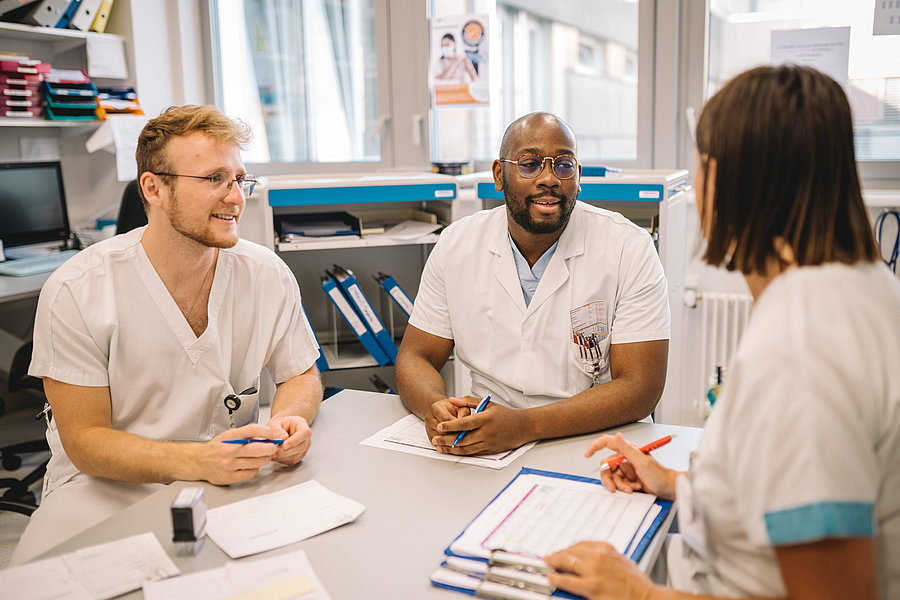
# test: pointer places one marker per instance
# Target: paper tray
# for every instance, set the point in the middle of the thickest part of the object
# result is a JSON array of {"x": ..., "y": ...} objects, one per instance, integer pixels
[{"x": 373, "y": 222}]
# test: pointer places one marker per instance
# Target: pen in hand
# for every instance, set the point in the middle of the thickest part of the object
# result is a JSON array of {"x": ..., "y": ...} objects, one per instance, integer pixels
[
  {"x": 481, "y": 406},
  {"x": 243, "y": 441},
  {"x": 614, "y": 461}
]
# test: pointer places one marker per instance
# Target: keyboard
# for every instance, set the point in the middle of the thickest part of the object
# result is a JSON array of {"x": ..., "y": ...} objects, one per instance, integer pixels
[{"x": 32, "y": 265}]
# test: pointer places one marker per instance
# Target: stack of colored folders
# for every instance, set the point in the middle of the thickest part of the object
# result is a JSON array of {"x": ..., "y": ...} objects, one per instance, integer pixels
[
  {"x": 117, "y": 101},
  {"x": 20, "y": 94},
  {"x": 70, "y": 95}
]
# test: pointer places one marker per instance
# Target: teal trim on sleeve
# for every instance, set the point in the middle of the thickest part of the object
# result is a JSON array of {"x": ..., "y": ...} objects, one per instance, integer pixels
[{"x": 819, "y": 521}]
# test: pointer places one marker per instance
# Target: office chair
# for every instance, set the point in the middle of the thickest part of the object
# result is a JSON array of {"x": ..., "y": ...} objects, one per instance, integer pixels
[
  {"x": 131, "y": 210},
  {"x": 17, "y": 497}
]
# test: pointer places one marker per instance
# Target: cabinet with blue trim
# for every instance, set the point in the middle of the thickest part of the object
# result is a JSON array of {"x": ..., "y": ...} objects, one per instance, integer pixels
[{"x": 317, "y": 222}]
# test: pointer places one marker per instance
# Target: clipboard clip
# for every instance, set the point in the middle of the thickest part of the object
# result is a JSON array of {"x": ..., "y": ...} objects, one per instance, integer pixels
[{"x": 507, "y": 576}]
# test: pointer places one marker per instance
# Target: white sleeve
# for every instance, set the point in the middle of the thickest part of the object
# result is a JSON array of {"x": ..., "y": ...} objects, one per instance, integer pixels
[
  {"x": 294, "y": 349},
  {"x": 64, "y": 347},
  {"x": 641, "y": 311},
  {"x": 431, "y": 311},
  {"x": 802, "y": 456}
]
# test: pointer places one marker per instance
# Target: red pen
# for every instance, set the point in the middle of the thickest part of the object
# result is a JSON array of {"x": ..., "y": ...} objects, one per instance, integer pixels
[{"x": 614, "y": 461}]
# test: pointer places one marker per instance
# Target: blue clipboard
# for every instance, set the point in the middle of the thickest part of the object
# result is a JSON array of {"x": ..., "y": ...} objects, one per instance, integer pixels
[{"x": 636, "y": 553}]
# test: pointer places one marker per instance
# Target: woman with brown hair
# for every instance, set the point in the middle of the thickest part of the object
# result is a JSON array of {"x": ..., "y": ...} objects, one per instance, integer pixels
[{"x": 795, "y": 488}]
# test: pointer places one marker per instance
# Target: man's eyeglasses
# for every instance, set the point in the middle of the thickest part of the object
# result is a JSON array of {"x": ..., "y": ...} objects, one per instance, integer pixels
[
  {"x": 220, "y": 183},
  {"x": 531, "y": 165}
]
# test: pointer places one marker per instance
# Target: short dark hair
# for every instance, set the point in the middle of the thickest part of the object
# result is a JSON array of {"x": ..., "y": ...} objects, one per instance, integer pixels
[{"x": 782, "y": 138}]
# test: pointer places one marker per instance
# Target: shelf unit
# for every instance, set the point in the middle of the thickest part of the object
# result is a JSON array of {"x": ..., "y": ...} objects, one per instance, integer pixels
[
  {"x": 404, "y": 259},
  {"x": 63, "y": 48}
]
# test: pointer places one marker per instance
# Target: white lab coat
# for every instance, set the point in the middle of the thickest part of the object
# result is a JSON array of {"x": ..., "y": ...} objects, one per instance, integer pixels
[
  {"x": 105, "y": 319},
  {"x": 525, "y": 356},
  {"x": 804, "y": 441}
]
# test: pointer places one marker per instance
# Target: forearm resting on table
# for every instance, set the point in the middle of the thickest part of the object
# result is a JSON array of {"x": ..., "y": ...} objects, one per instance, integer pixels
[
  {"x": 638, "y": 372},
  {"x": 101, "y": 451},
  {"x": 299, "y": 396}
]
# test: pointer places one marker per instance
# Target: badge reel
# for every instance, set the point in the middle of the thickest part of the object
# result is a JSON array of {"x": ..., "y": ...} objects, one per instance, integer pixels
[{"x": 232, "y": 403}]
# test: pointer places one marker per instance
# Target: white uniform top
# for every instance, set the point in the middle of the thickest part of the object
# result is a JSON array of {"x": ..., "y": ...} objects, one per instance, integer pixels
[
  {"x": 804, "y": 441},
  {"x": 525, "y": 356},
  {"x": 105, "y": 318}
]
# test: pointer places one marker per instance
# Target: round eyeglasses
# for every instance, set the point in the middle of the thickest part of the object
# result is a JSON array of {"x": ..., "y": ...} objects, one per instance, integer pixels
[
  {"x": 220, "y": 183},
  {"x": 531, "y": 165}
]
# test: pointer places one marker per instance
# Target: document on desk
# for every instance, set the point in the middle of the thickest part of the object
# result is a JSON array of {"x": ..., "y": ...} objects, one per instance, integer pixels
[
  {"x": 278, "y": 519},
  {"x": 98, "y": 572},
  {"x": 409, "y": 435},
  {"x": 538, "y": 514},
  {"x": 278, "y": 577}
]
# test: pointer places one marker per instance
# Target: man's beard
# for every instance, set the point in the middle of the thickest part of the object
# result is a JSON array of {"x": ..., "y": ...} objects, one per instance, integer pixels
[{"x": 521, "y": 214}]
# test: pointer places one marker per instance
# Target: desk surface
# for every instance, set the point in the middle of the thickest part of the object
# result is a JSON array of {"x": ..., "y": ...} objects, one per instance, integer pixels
[
  {"x": 414, "y": 505},
  {"x": 16, "y": 288}
]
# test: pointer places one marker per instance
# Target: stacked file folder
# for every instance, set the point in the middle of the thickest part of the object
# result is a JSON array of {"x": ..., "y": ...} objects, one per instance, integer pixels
[
  {"x": 69, "y": 94},
  {"x": 20, "y": 93},
  {"x": 117, "y": 101}
]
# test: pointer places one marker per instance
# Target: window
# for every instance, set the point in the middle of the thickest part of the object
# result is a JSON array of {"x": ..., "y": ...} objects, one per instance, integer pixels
[
  {"x": 577, "y": 59},
  {"x": 303, "y": 74},
  {"x": 739, "y": 38}
]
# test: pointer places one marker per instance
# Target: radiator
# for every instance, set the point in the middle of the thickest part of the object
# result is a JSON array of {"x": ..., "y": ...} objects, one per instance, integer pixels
[{"x": 723, "y": 319}]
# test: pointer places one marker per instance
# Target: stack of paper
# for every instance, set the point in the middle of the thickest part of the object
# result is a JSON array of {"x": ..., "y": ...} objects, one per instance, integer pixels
[{"x": 97, "y": 573}]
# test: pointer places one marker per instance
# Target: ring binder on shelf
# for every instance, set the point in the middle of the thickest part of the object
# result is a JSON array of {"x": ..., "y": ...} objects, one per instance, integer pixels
[
  {"x": 359, "y": 301},
  {"x": 349, "y": 314},
  {"x": 394, "y": 290}
]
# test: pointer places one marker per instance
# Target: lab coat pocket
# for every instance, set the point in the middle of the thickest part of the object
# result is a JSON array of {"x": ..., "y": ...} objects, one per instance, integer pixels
[{"x": 590, "y": 362}]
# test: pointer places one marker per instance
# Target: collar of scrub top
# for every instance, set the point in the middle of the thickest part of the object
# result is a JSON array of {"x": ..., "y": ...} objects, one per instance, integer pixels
[{"x": 530, "y": 277}]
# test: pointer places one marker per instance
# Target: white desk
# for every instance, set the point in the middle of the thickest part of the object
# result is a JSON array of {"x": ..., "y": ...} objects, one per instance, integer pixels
[
  {"x": 415, "y": 506},
  {"x": 16, "y": 288}
]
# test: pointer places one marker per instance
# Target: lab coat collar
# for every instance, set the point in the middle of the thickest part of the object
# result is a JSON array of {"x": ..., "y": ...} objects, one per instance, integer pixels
[{"x": 571, "y": 243}]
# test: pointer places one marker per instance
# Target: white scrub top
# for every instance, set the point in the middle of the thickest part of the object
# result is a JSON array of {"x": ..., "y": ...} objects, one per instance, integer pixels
[
  {"x": 804, "y": 441},
  {"x": 605, "y": 274},
  {"x": 105, "y": 319}
]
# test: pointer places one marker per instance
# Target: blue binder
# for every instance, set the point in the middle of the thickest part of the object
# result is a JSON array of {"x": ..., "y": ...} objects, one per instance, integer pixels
[
  {"x": 352, "y": 319},
  {"x": 67, "y": 16},
  {"x": 396, "y": 293},
  {"x": 364, "y": 309}
]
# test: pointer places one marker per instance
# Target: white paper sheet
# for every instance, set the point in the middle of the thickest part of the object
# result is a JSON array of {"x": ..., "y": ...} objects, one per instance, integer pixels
[
  {"x": 109, "y": 570},
  {"x": 106, "y": 56},
  {"x": 285, "y": 576},
  {"x": 278, "y": 519},
  {"x": 408, "y": 435},
  {"x": 98, "y": 572},
  {"x": 409, "y": 230},
  {"x": 538, "y": 515}
]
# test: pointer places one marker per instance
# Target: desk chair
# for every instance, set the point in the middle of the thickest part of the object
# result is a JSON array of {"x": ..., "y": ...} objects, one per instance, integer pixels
[
  {"x": 17, "y": 497},
  {"x": 131, "y": 210}
]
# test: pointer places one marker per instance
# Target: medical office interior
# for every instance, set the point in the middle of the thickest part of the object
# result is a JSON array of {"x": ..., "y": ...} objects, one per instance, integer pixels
[{"x": 344, "y": 94}]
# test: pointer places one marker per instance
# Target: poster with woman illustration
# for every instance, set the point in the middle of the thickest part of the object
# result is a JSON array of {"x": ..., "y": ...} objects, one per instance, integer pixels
[{"x": 459, "y": 60}]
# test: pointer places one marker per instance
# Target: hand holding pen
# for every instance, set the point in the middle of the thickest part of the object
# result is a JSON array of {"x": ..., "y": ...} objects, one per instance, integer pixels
[
  {"x": 633, "y": 469},
  {"x": 481, "y": 406}
]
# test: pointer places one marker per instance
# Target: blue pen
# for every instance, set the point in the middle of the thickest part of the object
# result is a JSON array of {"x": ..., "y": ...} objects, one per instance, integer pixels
[
  {"x": 481, "y": 406},
  {"x": 248, "y": 441}
]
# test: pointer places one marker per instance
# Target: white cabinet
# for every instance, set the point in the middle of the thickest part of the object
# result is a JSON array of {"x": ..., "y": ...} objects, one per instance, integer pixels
[{"x": 350, "y": 365}]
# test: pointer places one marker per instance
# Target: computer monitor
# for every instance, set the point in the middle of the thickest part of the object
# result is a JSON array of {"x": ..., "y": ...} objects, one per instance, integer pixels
[{"x": 32, "y": 204}]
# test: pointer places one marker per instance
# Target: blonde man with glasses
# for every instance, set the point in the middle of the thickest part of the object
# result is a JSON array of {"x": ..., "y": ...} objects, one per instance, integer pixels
[
  {"x": 151, "y": 344},
  {"x": 556, "y": 307}
]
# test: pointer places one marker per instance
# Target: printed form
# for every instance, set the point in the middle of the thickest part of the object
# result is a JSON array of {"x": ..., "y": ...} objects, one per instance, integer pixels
[
  {"x": 409, "y": 435},
  {"x": 538, "y": 515},
  {"x": 273, "y": 520}
]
